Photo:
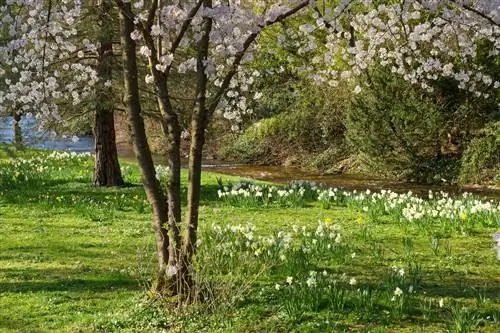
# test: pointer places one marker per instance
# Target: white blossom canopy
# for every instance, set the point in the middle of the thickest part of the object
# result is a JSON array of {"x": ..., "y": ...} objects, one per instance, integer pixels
[{"x": 421, "y": 40}]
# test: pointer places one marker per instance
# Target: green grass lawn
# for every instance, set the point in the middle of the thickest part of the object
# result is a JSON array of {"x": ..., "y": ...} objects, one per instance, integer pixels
[{"x": 75, "y": 258}]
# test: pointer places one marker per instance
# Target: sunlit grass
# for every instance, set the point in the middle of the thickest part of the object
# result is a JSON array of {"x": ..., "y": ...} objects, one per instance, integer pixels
[{"x": 77, "y": 258}]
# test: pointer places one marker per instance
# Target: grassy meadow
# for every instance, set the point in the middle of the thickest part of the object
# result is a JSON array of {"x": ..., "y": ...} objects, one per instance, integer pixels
[{"x": 300, "y": 258}]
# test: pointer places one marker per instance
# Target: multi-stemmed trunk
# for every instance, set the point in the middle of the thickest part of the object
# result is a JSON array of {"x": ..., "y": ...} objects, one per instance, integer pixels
[
  {"x": 107, "y": 167},
  {"x": 142, "y": 150},
  {"x": 175, "y": 253}
]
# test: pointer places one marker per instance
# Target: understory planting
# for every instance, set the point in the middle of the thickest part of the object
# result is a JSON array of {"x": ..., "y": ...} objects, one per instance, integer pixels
[{"x": 301, "y": 257}]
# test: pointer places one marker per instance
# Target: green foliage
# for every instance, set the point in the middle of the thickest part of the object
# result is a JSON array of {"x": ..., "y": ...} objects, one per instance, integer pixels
[
  {"x": 398, "y": 130},
  {"x": 481, "y": 159},
  {"x": 308, "y": 131}
]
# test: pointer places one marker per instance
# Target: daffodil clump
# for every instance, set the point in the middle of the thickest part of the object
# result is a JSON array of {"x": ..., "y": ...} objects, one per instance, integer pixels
[
  {"x": 248, "y": 194},
  {"x": 306, "y": 270},
  {"x": 44, "y": 166},
  {"x": 436, "y": 207}
]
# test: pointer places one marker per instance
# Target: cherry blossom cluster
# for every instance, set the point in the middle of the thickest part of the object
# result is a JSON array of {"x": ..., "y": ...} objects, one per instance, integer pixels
[
  {"x": 44, "y": 60},
  {"x": 419, "y": 40},
  {"x": 235, "y": 25}
]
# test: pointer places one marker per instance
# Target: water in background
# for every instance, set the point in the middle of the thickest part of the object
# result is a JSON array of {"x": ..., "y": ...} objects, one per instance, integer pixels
[
  {"x": 32, "y": 137},
  {"x": 44, "y": 140}
]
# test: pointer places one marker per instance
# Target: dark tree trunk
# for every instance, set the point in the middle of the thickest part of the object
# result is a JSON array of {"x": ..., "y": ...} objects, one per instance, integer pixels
[
  {"x": 107, "y": 167},
  {"x": 198, "y": 125},
  {"x": 172, "y": 131},
  {"x": 18, "y": 135},
  {"x": 142, "y": 151}
]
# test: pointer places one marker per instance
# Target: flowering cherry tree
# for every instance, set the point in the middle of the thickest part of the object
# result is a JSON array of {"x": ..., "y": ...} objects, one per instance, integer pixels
[
  {"x": 222, "y": 35},
  {"x": 419, "y": 40},
  {"x": 51, "y": 64},
  {"x": 213, "y": 41},
  {"x": 40, "y": 51}
]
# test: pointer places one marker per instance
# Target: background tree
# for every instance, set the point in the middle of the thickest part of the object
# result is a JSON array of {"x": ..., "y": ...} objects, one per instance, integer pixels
[
  {"x": 107, "y": 167},
  {"x": 53, "y": 66},
  {"x": 399, "y": 130}
]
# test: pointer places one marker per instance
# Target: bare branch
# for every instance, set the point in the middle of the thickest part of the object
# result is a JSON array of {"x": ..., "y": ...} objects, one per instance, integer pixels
[
  {"x": 151, "y": 14},
  {"x": 184, "y": 28},
  {"x": 327, "y": 23}
]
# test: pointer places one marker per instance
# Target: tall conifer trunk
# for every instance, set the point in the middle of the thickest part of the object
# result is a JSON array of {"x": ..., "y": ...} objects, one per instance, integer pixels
[{"x": 107, "y": 167}]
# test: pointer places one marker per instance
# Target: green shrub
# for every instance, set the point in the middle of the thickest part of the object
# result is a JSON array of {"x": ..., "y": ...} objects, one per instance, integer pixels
[
  {"x": 398, "y": 130},
  {"x": 481, "y": 159},
  {"x": 307, "y": 133}
]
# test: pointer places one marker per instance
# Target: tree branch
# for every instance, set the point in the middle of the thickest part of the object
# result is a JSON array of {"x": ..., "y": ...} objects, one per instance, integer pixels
[
  {"x": 184, "y": 28},
  {"x": 239, "y": 56},
  {"x": 151, "y": 14},
  {"x": 481, "y": 14}
]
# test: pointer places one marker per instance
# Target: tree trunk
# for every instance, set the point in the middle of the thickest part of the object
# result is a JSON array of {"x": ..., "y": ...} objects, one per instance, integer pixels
[
  {"x": 18, "y": 135},
  {"x": 172, "y": 131},
  {"x": 198, "y": 124},
  {"x": 143, "y": 152},
  {"x": 107, "y": 167}
]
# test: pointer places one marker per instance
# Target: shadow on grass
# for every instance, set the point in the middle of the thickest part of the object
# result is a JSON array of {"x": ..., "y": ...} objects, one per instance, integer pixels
[
  {"x": 81, "y": 187},
  {"x": 63, "y": 187},
  {"x": 49, "y": 280},
  {"x": 76, "y": 285},
  {"x": 468, "y": 288},
  {"x": 209, "y": 194},
  {"x": 8, "y": 150}
]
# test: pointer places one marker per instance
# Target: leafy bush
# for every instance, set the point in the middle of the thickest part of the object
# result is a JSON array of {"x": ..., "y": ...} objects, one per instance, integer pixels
[
  {"x": 398, "y": 130},
  {"x": 299, "y": 134},
  {"x": 481, "y": 159}
]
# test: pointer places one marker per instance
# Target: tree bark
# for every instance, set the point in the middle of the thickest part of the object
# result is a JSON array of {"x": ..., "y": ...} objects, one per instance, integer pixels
[
  {"x": 198, "y": 125},
  {"x": 172, "y": 131},
  {"x": 142, "y": 151},
  {"x": 107, "y": 167},
  {"x": 18, "y": 135}
]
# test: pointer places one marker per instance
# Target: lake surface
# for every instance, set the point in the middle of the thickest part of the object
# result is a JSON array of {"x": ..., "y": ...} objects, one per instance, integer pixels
[{"x": 33, "y": 137}]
